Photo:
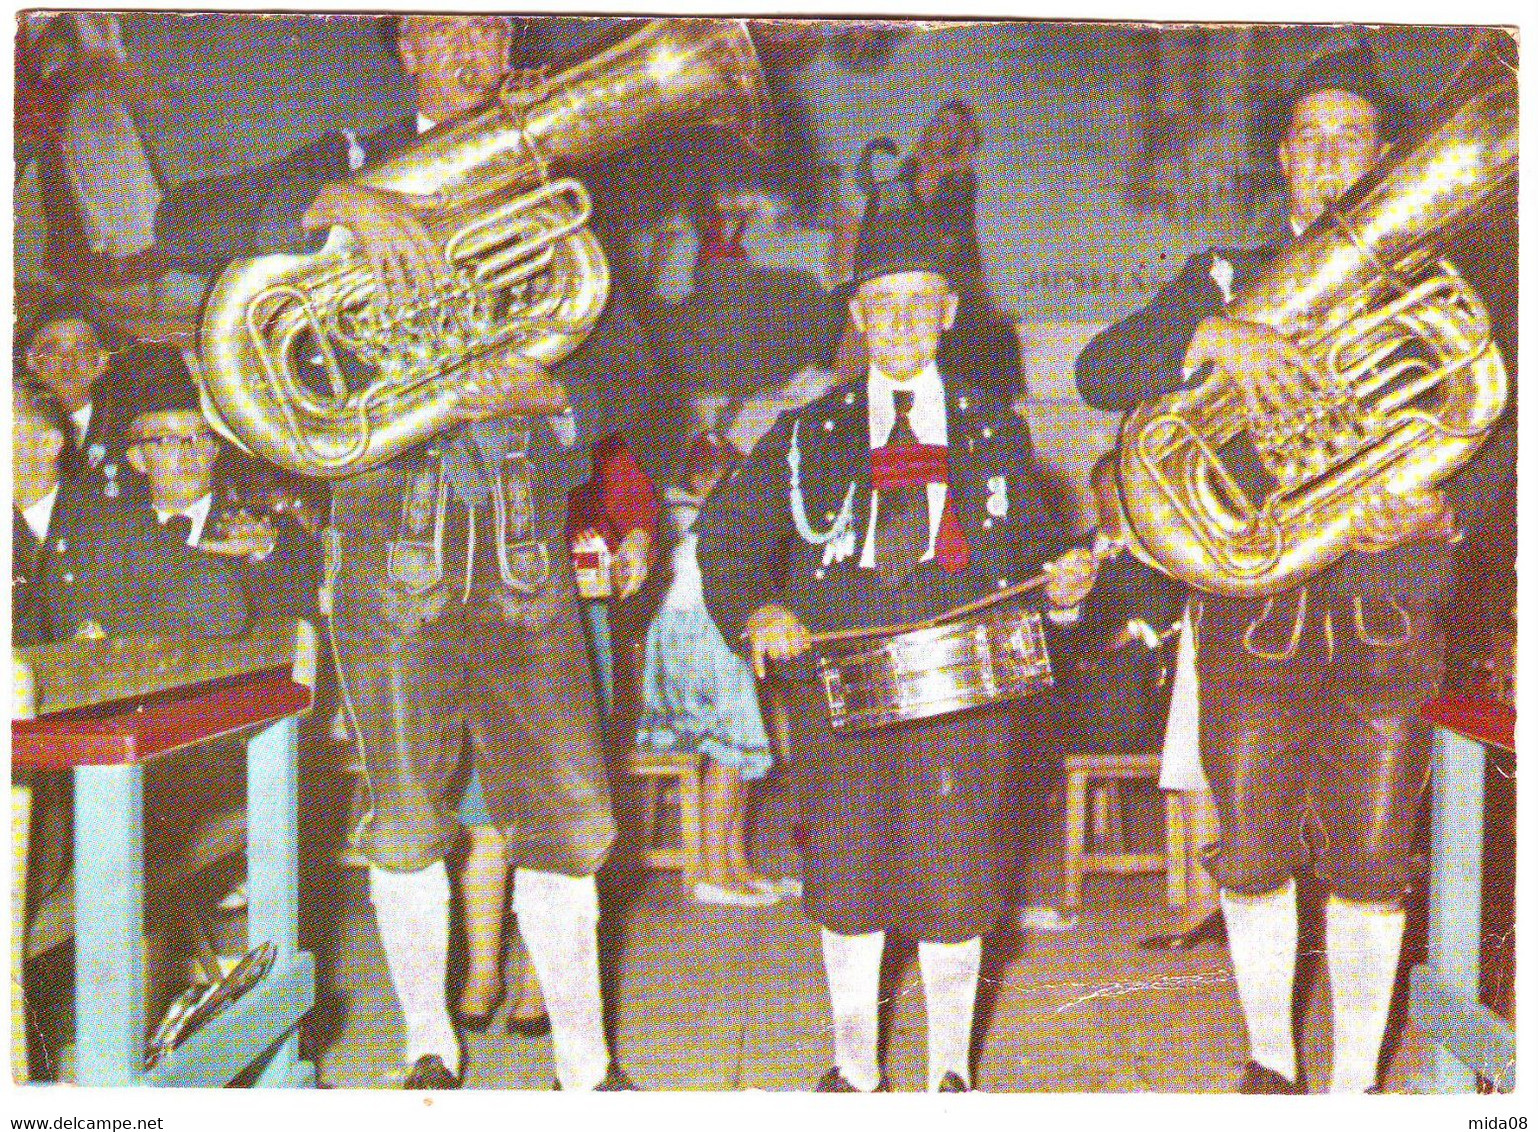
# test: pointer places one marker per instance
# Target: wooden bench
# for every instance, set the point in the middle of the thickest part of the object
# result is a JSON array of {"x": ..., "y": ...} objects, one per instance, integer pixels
[
  {"x": 1080, "y": 857},
  {"x": 104, "y": 710}
]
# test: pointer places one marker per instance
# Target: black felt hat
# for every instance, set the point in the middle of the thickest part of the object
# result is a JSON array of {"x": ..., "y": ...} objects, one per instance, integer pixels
[
  {"x": 163, "y": 383},
  {"x": 1353, "y": 70},
  {"x": 896, "y": 234}
]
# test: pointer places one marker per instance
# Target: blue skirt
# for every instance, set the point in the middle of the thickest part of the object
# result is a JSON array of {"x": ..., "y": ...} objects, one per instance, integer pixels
[{"x": 698, "y": 694}]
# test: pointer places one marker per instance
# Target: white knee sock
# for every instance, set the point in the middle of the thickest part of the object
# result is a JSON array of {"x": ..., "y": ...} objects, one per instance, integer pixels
[
  {"x": 558, "y": 919},
  {"x": 412, "y": 910},
  {"x": 853, "y": 964},
  {"x": 1263, "y": 941},
  {"x": 950, "y": 996},
  {"x": 1362, "y": 941}
]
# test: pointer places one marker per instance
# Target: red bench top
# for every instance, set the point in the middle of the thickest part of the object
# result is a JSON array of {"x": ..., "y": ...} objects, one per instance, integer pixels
[
  {"x": 133, "y": 730},
  {"x": 1489, "y": 721}
]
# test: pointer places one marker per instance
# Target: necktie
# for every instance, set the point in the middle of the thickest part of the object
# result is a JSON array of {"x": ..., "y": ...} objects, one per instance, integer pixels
[
  {"x": 902, "y": 521},
  {"x": 179, "y": 527},
  {"x": 902, "y": 428}
]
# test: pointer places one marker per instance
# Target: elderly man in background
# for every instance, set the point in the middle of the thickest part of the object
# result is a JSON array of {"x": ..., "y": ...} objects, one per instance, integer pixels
[{"x": 80, "y": 357}]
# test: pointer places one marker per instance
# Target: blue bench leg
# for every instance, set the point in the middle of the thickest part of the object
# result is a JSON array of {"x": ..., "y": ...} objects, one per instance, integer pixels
[
  {"x": 1457, "y": 848},
  {"x": 272, "y": 863},
  {"x": 109, "y": 925}
]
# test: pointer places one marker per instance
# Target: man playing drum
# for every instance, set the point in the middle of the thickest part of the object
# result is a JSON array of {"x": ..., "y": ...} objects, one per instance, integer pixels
[{"x": 896, "y": 497}]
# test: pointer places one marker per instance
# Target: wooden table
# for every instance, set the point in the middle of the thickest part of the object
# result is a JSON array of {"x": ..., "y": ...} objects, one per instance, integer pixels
[
  {"x": 106, "y": 743},
  {"x": 1469, "y": 1039}
]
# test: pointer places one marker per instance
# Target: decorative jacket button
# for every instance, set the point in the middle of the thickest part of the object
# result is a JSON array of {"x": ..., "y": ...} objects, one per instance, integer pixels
[
  {"x": 69, "y": 578},
  {"x": 849, "y": 398},
  {"x": 1003, "y": 583},
  {"x": 828, "y": 424},
  {"x": 961, "y": 403},
  {"x": 828, "y": 517},
  {"x": 819, "y": 573},
  {"x": 988, "y": 524},
  {"x": 987, "y": 433}
]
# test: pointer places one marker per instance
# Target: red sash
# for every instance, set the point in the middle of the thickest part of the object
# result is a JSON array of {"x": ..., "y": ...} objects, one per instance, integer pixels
[{"x": 918, "y": 465}]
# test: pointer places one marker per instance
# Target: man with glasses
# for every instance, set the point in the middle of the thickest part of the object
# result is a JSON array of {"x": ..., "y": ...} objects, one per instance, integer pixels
[
  {"x": 74, "y": 351},
  {"x": 166, "y": 559},
  {"x": 897, "y": 496}
]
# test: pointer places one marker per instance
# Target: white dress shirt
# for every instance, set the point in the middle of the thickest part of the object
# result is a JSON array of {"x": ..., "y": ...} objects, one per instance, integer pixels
[
  {"x": 82, "y": 419},
  {"x": 197, "y": 512},
  {"x": 927, "y": 419},
  {"x": 40, "y": 514}
]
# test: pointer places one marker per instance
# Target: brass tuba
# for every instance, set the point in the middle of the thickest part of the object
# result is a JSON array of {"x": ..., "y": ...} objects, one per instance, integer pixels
[
  {"x": 1412, "y": 378},
  {"x": 526, "y": 273}
]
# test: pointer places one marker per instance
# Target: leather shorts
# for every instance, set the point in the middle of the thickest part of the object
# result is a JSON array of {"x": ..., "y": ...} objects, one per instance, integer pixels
[
  {"x": 437, "y": 639},
  {"x": 1312, "y": 739}
]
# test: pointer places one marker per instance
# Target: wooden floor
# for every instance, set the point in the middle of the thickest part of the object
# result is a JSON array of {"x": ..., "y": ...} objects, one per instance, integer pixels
[{"x": 703, "y": 998}]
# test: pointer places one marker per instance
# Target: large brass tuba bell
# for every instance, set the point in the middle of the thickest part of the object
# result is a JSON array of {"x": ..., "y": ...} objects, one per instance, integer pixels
[
  {"x": 1412, "y": 378},
  {"x": 527, "y": 275}
]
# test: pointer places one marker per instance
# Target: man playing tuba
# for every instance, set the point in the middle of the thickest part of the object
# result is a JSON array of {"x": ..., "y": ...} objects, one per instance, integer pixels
[
  {"x": 452, "y": 601},
  {"x": 1309, "y": 698}
]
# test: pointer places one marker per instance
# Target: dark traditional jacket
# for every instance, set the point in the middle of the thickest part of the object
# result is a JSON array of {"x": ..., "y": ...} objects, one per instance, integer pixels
[
  {"x": 32, "y": 562},
  {"x": 102, "y": 455},
  {"x": 1140, "y": 358},
  {"x": 753, "y": 550},
  {"x": 118, "y": 567}
]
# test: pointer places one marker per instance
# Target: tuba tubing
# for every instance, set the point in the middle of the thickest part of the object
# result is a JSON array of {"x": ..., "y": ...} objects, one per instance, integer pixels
[
  {"x": 1413, "y": 381},
  {"x": 528, "y": 276}
]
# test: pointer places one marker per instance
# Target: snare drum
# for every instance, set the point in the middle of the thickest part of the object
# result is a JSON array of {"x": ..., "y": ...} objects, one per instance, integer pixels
[{"x": 996, "y": 656}]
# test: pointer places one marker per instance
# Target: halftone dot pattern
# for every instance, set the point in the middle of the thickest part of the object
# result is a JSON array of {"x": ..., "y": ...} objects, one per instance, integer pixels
[{"x": 1110, "y": 153}]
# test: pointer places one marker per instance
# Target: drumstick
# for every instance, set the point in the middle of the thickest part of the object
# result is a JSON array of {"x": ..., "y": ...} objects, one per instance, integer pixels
[
  {"x": 1041, "y": 579},
  {"x": 1122, "y": 640},
  {"x": 773, "y": 704}
]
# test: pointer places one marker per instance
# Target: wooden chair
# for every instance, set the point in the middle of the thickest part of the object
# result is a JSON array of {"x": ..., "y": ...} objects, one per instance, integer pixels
[
  {"x": 1108, "y": 855},
  {"x": 687, "y": 768}
]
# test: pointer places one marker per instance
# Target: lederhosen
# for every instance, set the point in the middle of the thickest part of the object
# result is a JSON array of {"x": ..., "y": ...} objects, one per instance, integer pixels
[
  {"x": 450, "y": 618},
  {"x": 1311, "y": 736}
]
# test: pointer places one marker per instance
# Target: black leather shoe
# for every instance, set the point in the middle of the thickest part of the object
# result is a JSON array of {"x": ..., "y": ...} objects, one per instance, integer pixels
[
  {"x": 616, "y": 1080},
  {"x": 429, "y": 1072},
  {"x": 1258, "y": 1081},
  {"x": 952, "y": 1083},
  {"x": 834, "y": 1081},
  {"x": 528, "y": 1027},
  {"x": 1211, "y": 930}
]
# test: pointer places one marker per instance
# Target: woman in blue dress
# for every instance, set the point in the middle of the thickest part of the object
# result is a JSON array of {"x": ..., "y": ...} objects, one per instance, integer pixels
[{"x": 698, "y": 695}]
